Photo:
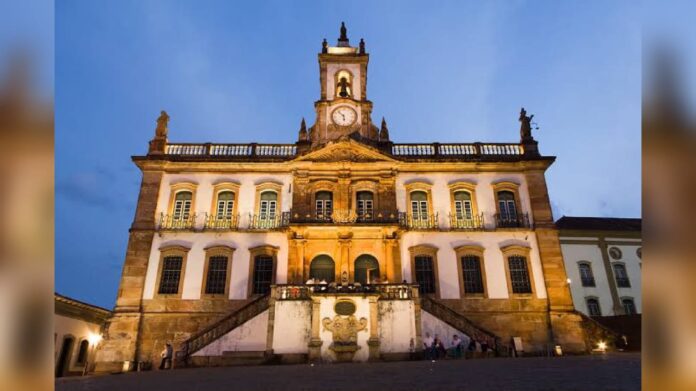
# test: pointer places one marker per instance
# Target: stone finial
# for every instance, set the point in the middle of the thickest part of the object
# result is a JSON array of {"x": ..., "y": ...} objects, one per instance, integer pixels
[
  {"x": 525, "y": 126},
  {"x": 303, "y": 131},
  {"x": 343, "y": 39},
  {"x": 362, "y": 46},
  {"x": 324, "y": 46},
  {"x": 384, "y": 132}
]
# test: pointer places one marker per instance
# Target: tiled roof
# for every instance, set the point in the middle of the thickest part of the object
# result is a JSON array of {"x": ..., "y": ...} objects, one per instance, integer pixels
[{"x": 599, "y": 223}]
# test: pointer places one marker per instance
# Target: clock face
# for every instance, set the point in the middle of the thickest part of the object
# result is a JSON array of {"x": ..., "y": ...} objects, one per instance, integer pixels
[{"x": 344, "y": 116}]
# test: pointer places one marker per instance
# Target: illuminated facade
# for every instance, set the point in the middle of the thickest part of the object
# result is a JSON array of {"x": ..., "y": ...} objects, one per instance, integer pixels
[{"x": 403, "y": 239}]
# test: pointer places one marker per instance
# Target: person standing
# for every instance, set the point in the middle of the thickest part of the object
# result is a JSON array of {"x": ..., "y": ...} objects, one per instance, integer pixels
[
  {"x": 428, "y": 346},
  {"x": 167, "y": 354}
]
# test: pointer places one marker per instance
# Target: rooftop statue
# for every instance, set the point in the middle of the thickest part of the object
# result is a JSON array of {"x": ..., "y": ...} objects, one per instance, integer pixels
[
  {"x": 162, "y": 123},
  {"x": 526, "y": 125}
]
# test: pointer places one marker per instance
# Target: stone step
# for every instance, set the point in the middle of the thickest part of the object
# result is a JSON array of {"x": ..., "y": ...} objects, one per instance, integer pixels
[{"x": 244, "y": 354}]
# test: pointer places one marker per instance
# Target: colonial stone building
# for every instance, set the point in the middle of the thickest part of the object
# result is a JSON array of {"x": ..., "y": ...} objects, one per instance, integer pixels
[{"x": 343, "y": 246}]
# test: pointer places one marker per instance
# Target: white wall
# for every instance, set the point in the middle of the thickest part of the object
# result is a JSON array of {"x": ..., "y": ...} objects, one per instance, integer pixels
[
  {"x": 331, "y": 70},
  {"x": 249, "y": 336},
  {"x": 195, "y": 261},
  {"x": 397, "y": 325},
  {"x": 434, "y": 326},
  {"x": 326, "y": 310},
  {"x": 80, "y": 330},
  {"x": 292, "y": 326},
  {"x": 493, "y": 260},
  {"x": 485, "y": 197},
  {"x": 634, "y": 270}
]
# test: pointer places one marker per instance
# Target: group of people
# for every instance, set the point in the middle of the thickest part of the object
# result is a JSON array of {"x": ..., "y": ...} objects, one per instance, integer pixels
[{"x": 434, "y": 348}]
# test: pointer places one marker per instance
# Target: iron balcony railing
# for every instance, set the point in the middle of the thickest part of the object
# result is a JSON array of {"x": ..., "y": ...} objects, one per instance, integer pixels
[
  {"x": 520, "y": 220},
  {"x": 348, "y": 216},
  {"x": 264, "y": 222},
  {"x": 221, "y": 222},
  {"x": 420, "y": 221},
  {"x": 462, "y": 223},
  {"x": 176, "y": 222}
]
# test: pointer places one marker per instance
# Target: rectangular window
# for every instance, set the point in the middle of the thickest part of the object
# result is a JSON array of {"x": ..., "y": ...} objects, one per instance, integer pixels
[
  {"x": 171, "y": 274},
  {"x": 463, "y": 210},
  {"x": 425, "y": 274},
  {"x": 586, "y": 277},
  {"x": 471, "y": 270},
  {"x": 621, "y": 276},
  {"x": 182, "y": 208},
  {"x": 217, "y": 275},
  {"x": 224, "y": 210},
  {"x": 593, "y": 307},
  {"x": 263, "y": 274},
  {"x": 268, "y": 210},
  {"x": 365, "y": 208},
  {"x": 519, "y": 275}
]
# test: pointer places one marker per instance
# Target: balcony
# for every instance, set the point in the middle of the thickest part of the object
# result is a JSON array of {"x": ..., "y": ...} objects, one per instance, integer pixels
[
  {"x": 419, "y": 222},
  {"x": 221, "y": 223},
  {"x": 520, "y": 220},
  {"x": 461, "y": 223},
  {"x": 385, "y": 291},
  {"x": 345, "y": 217},
  {"x": 268, "y": 222},
  {"x": 176, "y": 223}
]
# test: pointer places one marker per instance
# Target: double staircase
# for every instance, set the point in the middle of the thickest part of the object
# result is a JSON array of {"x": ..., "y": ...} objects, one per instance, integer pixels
[
  {"x": 463, "y": 324},
  {"x": 223, "y": 326}
]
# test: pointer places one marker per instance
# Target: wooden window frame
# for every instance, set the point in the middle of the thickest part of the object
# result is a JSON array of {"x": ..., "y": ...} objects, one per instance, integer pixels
[
  {"x": 368, "y": 186},
  {"x": 623, "y": 306},
  {"x": 466, "y": 187},
  {"x": 587, "y": 305},
  {"x": 478, "y": 251},
  {"x": 419, "y": 186},
  {"x": 213, "y": 251},
  {"x": 589, "y": 264},
  {"x": 176, "y": 188},
  {"x": 427, "y": 250},
  {"x": 265, "y": 249},
  {"x": 166, "y": 252},
  {"x": 516, "y": 250},
  {"x": 324, "y": 208},
  {"x": 221, "y": 188},
  {"x": 512, "y": 187},
  {"x": 269, "y": 186}
]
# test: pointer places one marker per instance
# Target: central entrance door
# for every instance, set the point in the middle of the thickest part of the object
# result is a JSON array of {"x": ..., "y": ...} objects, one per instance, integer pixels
[{"x": 322, "y": 268}]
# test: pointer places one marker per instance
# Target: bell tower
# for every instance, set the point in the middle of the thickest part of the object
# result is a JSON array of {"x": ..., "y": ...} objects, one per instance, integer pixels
[{"x": 343, "y": 107}]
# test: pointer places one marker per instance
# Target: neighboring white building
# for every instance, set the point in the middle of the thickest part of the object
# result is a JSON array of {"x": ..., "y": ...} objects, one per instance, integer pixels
[
  {"x": 603, "y": 262},
  {"x": 78, "y": 329}
]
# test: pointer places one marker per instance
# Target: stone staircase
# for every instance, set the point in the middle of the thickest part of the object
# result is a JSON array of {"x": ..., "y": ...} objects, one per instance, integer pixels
[
  {"x": 463, "y": 324},
  {"x": 596, "y": 331},
  {"x": 216, "y": 330}
]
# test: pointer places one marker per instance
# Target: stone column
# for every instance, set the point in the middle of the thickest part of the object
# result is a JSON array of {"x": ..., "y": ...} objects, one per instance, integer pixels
[
  {"x": 121, "y": 339},
  {"x": 315, "y": 341},
  {"x": 373, "y": 341},
  {"x": 393, "y": 263},
  {"x": 346, "y": 266},
  {"x": 301, "y": 277}
]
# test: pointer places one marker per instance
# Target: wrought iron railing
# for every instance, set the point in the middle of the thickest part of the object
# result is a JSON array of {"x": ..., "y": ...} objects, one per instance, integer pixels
[
  {"x": 461, "y": 323},
  {"x": 385, "y": 291},
  {"x": 222, "y": 327},
  {"x": 175, "y": 223},
  {"x": 292, "y": 292},
  {"x": 221, "y": 223},
  {"x": 504, "y": 220},
  {"x": 462, "y": 223},
  {"x": 269, "y": 221},
  {"x": 339, "y": 216},
  {"x": 420, "y": 221}
]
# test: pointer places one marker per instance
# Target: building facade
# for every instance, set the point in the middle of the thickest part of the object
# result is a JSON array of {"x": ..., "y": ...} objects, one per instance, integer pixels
[
  {"x": 603, "y": 261},
  {"x": 78, "y": 330},
  {"x": 228, "y": 238}
]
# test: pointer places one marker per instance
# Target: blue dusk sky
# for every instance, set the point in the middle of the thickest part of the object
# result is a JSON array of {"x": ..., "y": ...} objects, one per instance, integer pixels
[{"x": 446, "y": 71}]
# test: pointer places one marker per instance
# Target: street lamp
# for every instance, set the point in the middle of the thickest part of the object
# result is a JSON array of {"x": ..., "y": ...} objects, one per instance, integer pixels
[{"x": 94, "y": 340}]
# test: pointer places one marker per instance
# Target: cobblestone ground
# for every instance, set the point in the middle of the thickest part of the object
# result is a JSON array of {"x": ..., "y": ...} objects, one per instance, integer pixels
[{"x": 587, "y": 373}]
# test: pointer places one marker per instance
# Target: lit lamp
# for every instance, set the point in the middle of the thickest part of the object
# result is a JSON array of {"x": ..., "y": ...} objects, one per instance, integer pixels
[
  {"x": 568, "y": 281},
  {"x": 602, "y": 346}
]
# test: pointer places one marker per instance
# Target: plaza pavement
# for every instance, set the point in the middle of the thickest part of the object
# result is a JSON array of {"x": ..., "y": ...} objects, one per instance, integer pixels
[{"x": 611, "y": 372}]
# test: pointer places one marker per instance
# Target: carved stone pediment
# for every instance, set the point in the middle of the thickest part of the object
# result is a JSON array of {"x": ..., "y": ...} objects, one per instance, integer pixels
[
  {"x": 345, "y": 329},
  {"x": 345, "y": 150}
]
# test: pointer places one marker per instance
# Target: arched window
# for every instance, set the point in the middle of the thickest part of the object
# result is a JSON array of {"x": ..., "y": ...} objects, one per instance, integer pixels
[
  {"x": 471, "y": 273},
  {"x": 225, "y": 205},
  {"x": 268, "y": 206},
  {"x": 462, "y": 205},
  {"x": 629, "y": 306},
  {"x": 365, "y": 200},
  {"x": 593, "y": 306},
  {"x": 322, "y": 267},
  {"x": 216, "y": 279},
  {"x": 366, "y": 269},
  {"x": 621, "y": 275},
  {"x": 519, "y": 274},
  {"x": 324, "y": 205},
  {"x": 63, "y": 362},
  {"x": 82, "y": 352},
  {"x": 506, "y": 206},
  {"x": 182, "y": 205},
  {"x": 419, "y": 205},
  {"x": 586, "y": 275},
  {"x": 263, "y": 274},
  {"x": 171, "y": 274}
]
